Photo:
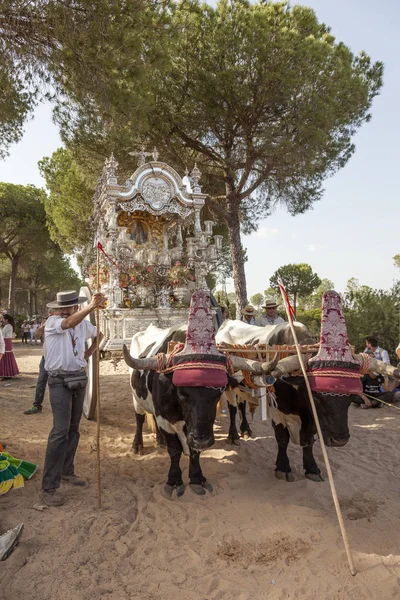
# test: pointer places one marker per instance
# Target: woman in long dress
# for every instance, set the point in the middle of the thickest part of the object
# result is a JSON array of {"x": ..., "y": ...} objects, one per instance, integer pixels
[{"x": 8, "y": 364}]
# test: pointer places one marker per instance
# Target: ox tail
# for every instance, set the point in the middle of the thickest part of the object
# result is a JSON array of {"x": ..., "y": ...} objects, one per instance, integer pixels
[
  {"x": 150, "y": 422},
  {"x": 219, "y": 406}
]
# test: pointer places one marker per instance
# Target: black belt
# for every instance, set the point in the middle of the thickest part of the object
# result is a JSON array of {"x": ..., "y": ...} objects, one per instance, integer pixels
[{"x": 62, "y": 374}]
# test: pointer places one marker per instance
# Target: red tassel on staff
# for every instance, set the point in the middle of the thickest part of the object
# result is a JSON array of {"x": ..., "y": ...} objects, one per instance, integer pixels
[
  {"x": 286, "y": 297},
  {"x": 100, "y": 247}
]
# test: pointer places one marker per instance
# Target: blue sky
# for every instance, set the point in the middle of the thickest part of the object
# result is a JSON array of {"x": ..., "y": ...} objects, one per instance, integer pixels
[{"x": 354, "y": 231}]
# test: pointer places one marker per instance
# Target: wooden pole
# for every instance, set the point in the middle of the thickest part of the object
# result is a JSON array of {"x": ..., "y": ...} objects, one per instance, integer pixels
[
  {"x": 98, "y": 387},
  {"x": 321, "y": 439}
]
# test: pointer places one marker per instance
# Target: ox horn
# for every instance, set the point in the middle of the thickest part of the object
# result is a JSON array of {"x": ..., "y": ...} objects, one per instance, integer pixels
[
  {"x": 378, "y": 366},
  {"x": 246, "y": 364},
  {"x": 269, "y": 366},
  {"x": 286, "y": 366},
  {"x": 140, "y": 364}
]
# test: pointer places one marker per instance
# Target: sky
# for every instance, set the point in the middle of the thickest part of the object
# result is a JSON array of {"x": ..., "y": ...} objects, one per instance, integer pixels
[{"x": 354, "y": 231}]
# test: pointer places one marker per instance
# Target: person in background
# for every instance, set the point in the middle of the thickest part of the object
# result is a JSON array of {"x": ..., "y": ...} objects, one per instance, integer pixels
[
  {"x": 25, "y": 330},
  {"x": 32, "y": 330},
  {"x": 224, "y": 313},
  {"x": 8, "y": 364},
  {"x": 379, "y": 353},
  {"x": 2, "y": 345},
  {"x": 65, "y": 363},
  {"x": 41, "y": 383},
  {"x": 248, "y": 315},
  {"x": 270, "y": 316},
  {"x": 398, "y": 351},
  {"x": 375, "y": 387}
]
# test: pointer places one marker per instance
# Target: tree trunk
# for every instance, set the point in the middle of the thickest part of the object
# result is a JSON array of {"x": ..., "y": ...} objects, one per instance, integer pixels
[
  {"x": 11, "y": 289},
  {"x": 35, "y": 305},
  {"x": 239, "y": 276},
  {"x": 31, "y": 312}
]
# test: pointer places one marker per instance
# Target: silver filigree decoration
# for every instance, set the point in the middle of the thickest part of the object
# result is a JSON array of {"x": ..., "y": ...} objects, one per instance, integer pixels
[{"x": 156, "y": 192}]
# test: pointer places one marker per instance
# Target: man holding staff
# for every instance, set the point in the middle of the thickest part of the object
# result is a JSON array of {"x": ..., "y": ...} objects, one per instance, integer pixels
[{"x": 65, "y": 362}]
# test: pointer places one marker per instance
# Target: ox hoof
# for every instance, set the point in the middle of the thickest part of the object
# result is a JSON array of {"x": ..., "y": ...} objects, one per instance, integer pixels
[
  {"x": 138, "y": 449},
  {"x": 233, "y": 441},
  {"x": 285, "y": 476},
  {"x": 168, "y": 490},
  {"x": 200, "y": 488},
  {"x": 247, "y": 435},
  {"x": 314, "y": 477}
]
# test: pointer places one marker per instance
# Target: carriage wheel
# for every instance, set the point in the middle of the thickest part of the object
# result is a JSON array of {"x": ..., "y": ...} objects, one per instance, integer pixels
[{"x": 90, "y": 401}]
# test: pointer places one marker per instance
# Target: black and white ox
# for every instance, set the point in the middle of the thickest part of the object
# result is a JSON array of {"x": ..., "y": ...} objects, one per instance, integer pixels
[
  {"x": 184, "y": 415},
  {"x": 292, "y": 418}
]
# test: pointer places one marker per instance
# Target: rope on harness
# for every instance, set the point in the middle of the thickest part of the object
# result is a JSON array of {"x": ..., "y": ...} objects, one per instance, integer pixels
[
  {"x": 365, "y": 367},
  {"x": 164, "y": 361}
]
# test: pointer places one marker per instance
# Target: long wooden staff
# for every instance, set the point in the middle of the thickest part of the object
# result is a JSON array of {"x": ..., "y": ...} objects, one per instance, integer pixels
[
  {"x": 98, "y": 386},
  {"x": 321, "y": 439}
]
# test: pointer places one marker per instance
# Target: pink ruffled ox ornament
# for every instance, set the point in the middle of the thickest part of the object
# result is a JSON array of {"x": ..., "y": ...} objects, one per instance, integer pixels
[
  {"x": 334, "y": 369},
  {"x": 200, "y": 364}
]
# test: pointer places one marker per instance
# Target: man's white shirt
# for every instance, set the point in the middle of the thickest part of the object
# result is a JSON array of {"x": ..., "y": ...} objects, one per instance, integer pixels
[
  {"x": 61, "y": 343},
  {"x": 381, "y": 354},
  {"x": 264, "y": 320},
  {"x": 2, "y": 344}
]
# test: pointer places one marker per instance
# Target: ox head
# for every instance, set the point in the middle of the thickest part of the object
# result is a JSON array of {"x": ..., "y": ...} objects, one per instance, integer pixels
[
  {"x": 332, "y": 408},
  {"x": 198, "y": 403}
]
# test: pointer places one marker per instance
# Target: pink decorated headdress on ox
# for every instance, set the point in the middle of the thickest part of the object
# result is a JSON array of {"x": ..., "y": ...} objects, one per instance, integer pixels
[
  {"x": 200, "y": 364},
  {"x": 334, "y": 369}
]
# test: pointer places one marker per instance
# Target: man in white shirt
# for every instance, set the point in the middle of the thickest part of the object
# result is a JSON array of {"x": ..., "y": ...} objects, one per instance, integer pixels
[
  {"x": 65, "y": 363},
  {"x": 270, "y": 317},
  {"x": 372, "y": 344}
]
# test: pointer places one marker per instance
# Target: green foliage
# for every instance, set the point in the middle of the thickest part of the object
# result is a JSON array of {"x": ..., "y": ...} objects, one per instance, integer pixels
[
  {"x": 314, "y": 300},
  {"x": 260, "y": 94},
  {"x": 69, "y": 202},
  {"x": 298, "y": 279},
  {"x": 22, "y": 218},
  {"x": 396, "y": 260},
  {"x": 372, "y": 312},
  {"x": 311, "y": 318},
  {"x": 257, "y": 300},
  {"x": 30, "y": 262}
]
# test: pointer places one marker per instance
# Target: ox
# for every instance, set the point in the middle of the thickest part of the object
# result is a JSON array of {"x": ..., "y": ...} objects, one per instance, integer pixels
[
  {"x": 185, "y": 415},
  {"x": 292, "y": 417}
]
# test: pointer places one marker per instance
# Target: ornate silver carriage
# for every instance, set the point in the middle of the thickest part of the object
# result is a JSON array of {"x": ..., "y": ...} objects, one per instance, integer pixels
[{"x": 155, "y": 250}]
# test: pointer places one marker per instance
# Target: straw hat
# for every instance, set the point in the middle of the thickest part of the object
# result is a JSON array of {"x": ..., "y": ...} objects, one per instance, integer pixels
[
  {"x": 249, "y": 311},
  {"x": 270, "y": 303}
]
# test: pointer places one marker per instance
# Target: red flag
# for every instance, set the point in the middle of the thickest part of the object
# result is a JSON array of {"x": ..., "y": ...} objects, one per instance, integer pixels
[
  {"x": 100, "y": 247},
  {"x": 285, "y": 295}
]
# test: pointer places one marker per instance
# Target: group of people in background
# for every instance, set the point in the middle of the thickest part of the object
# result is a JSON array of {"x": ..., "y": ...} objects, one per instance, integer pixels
[
  {"x": 269, "y": 317},
  {"x": 28, "y": 331}
]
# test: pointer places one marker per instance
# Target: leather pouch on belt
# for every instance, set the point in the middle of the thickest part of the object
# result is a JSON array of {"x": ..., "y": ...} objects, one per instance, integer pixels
[{"x": 76, "y": 382}]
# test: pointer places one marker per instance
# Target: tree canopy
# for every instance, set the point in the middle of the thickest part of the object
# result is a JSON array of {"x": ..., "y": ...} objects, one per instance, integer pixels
[
  {"x": 68, "y": 204},
  {"x": 260, "y": 94},
  {"x": 298, "y": 279},
  {"x": 22, "y": 226},
  {"x": 372, "y": 312}
]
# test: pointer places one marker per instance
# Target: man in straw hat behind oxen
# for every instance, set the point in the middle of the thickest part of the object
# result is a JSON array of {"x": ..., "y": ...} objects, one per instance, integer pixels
[
  {"x": 248, "y": 315},
  {"x": 270, "y": 316},
  {"x": 65, "y": 362}
]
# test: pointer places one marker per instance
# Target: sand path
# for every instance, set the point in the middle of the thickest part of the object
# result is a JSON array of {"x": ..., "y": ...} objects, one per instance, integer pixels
[{"x": 253, "y": 538}]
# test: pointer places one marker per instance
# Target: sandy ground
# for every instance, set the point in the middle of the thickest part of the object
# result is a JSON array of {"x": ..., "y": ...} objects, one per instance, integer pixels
[{"x": 253, "y": 538}]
